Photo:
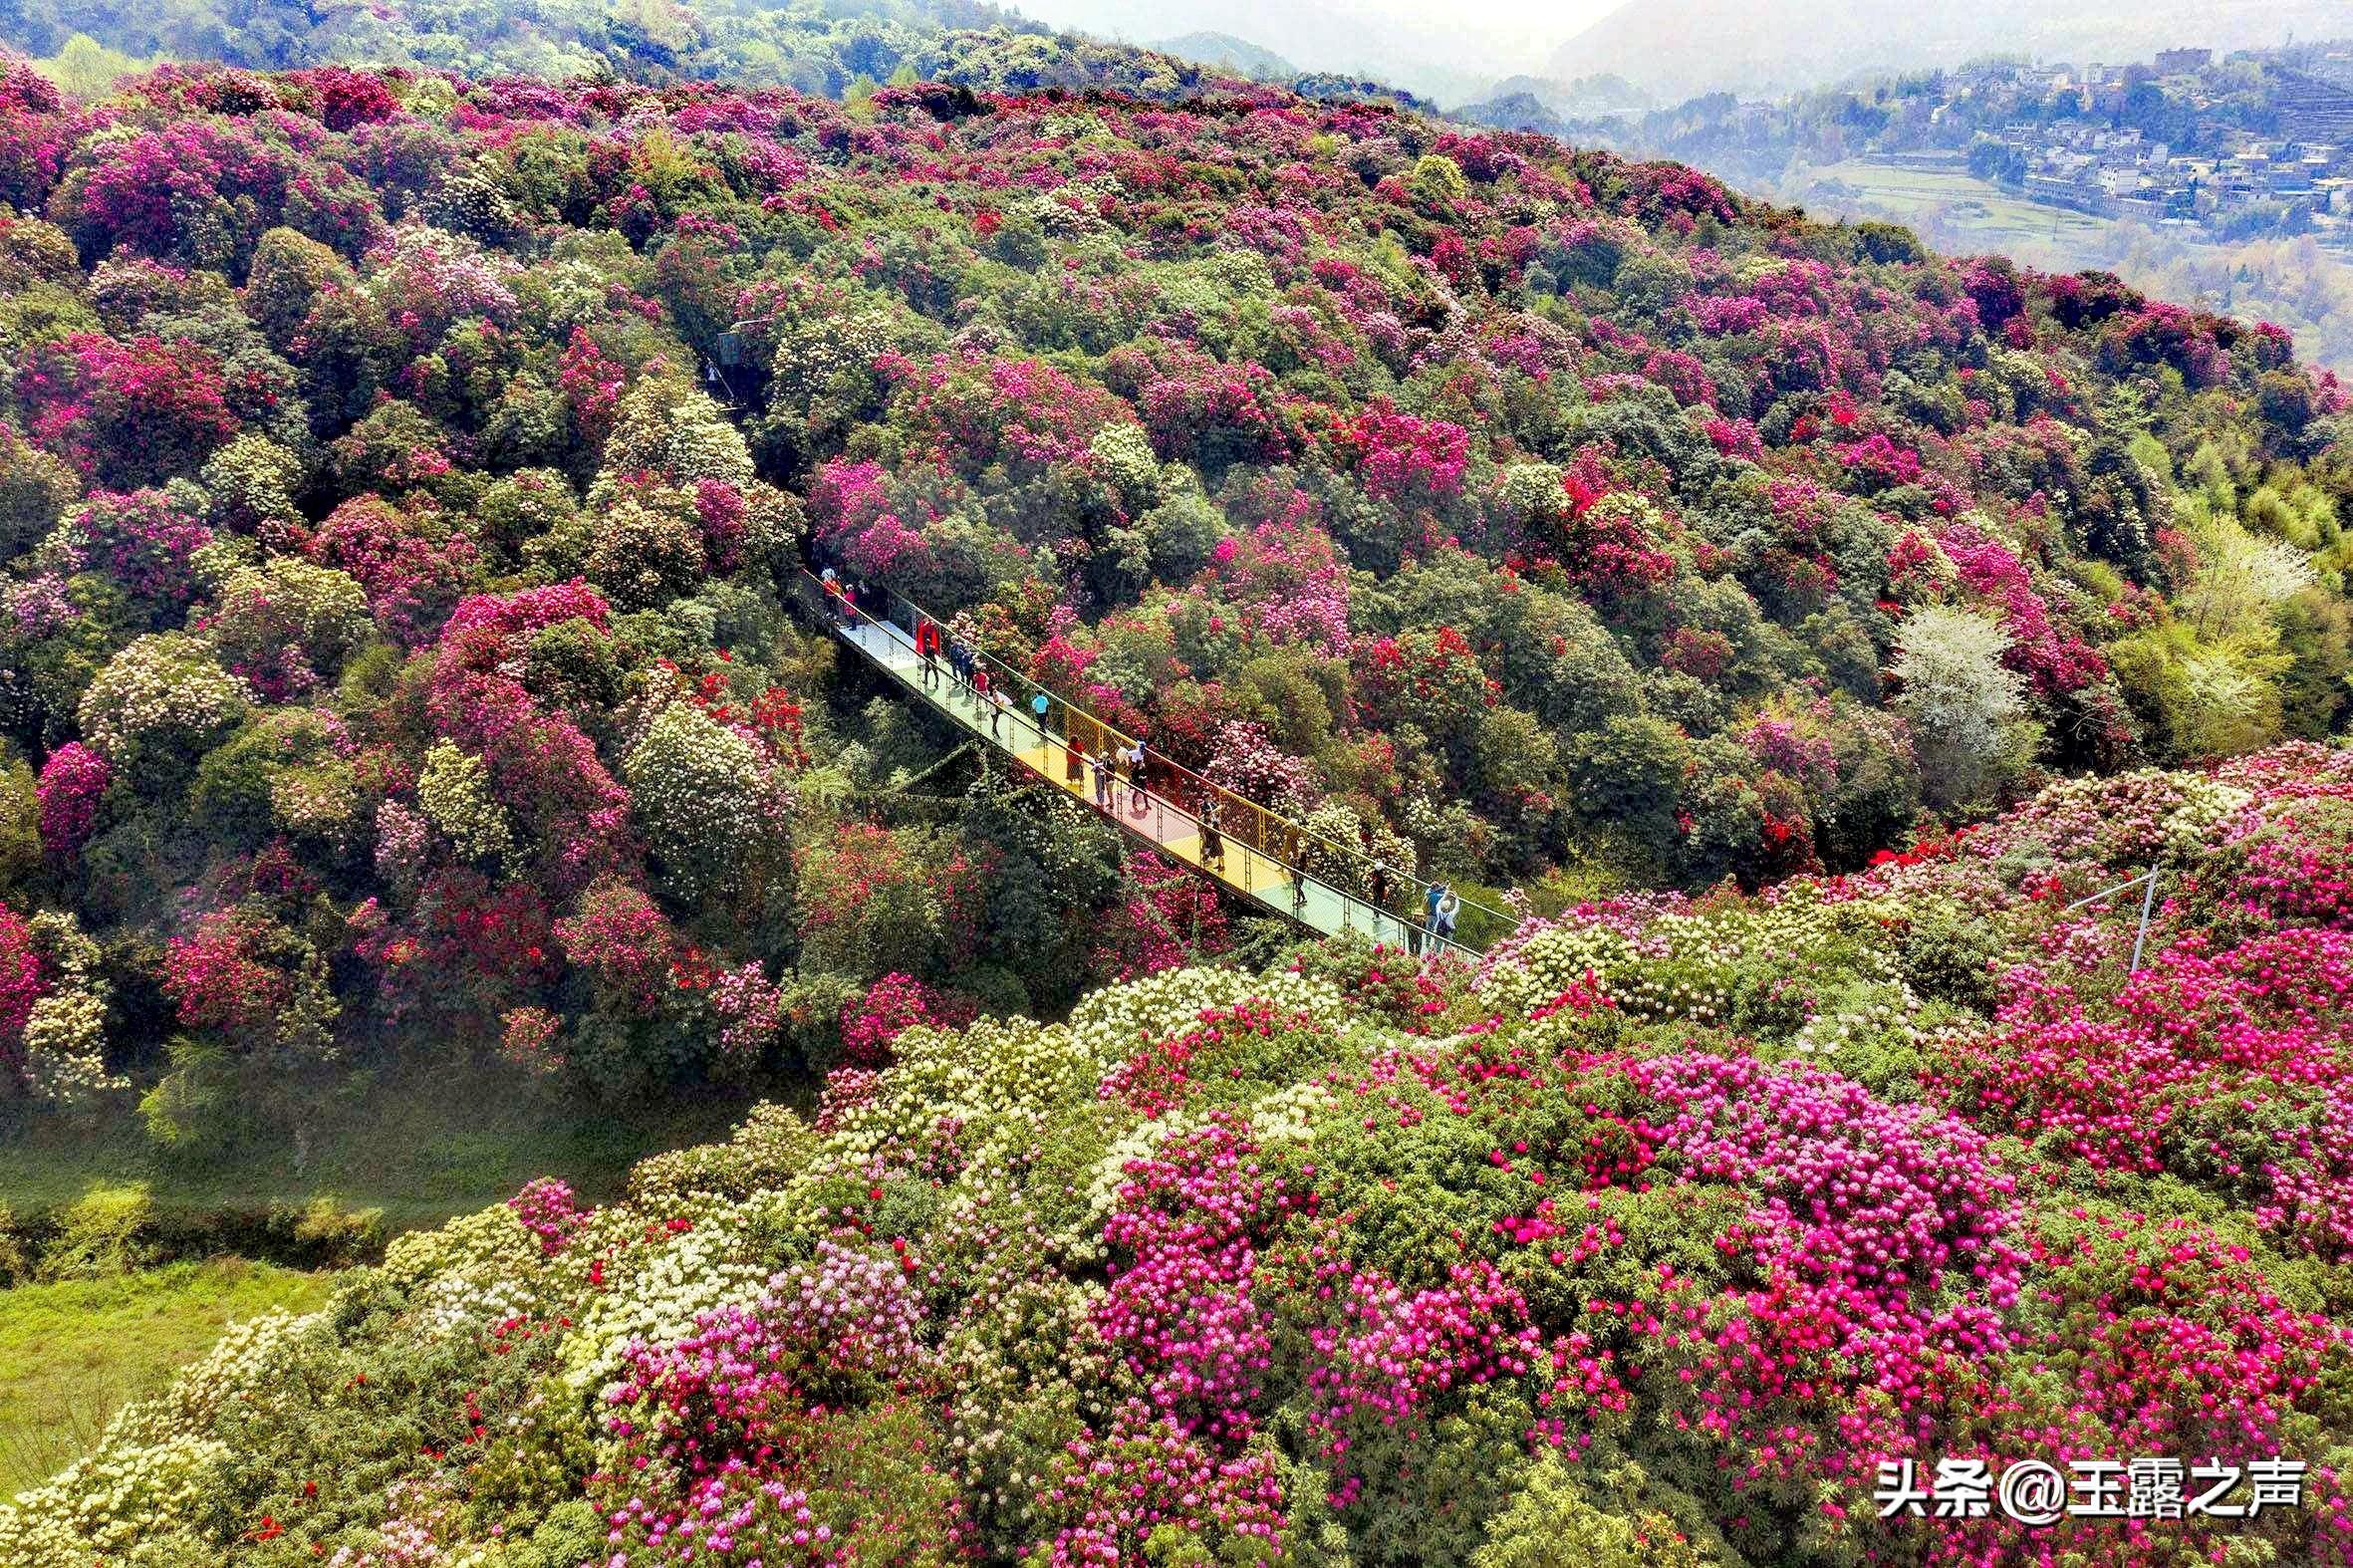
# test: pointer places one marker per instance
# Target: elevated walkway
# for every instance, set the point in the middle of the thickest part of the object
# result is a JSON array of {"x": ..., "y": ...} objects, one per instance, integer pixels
[{"x": 1270, "y": 860}]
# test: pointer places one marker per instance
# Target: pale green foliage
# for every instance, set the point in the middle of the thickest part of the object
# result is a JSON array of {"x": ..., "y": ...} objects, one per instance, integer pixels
[
  {"x": 2242, "y": 576},
  {"x": 86, "y": 70},
  {"x": 1966, "y": 709},
  {"x": 289, "y": 605},
  {"x": 455, "y": 792},
  {"x": 1122, "y": 454},
  {"x": 253, "y": 481},
  {"x": 1554, "y": 1522},
  {"x": 1532, "y": 491},
  {"x": 1439, "y": 180},
  {"x": 697, "y": 793},
  {"x": 642, "y": 555},
  {"x": 668, "y": 427}
]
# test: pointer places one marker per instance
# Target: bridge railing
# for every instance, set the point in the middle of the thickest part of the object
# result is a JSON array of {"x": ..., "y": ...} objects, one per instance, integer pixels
[{"x": 1348, "y": 871}]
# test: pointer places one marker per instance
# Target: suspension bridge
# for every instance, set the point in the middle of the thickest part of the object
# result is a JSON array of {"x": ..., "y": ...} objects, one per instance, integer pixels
[{"x": 1269, "y": 859}]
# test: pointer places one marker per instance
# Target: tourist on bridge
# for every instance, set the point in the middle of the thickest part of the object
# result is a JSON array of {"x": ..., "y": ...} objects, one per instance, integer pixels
[
  {"x": 1443, "y": 921},
  {"x": 927, "y": 650},
  {"x": 1430, "y": 902},
  {"x": 1212, "y": 842},
  {"x": 1103, "y": 778}
]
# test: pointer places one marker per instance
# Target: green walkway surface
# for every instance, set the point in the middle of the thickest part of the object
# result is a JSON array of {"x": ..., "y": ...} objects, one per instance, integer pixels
[{"x": 1148, "y": 814}]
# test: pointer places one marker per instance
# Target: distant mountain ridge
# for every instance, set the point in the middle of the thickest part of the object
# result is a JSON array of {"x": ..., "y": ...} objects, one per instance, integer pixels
[
  {"x": 1225, "y": 52},
  {"x": 1680, "y": 48}
]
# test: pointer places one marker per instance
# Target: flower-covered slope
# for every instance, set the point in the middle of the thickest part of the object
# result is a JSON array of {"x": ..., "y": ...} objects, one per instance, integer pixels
[
  {"x": 1648, "y": 1242},
  {"x": 396, "y": 472}
]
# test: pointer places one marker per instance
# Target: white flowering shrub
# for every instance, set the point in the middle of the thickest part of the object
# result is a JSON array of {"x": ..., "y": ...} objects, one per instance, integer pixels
[
  {"x": 65, "y": 1037},
  {"x": 667, "y": 426},
  {"x": 453, "y": 789},
  {"x": 165, "y": 694},
  {"x": 1965, "y": 708},
  {"x": 697, "y": 793}
]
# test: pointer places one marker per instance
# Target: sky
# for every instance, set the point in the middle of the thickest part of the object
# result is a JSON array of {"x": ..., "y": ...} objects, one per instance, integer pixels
[
  {"x": 1454, "y": 51},
  {"x": 1412, "y": 42}
]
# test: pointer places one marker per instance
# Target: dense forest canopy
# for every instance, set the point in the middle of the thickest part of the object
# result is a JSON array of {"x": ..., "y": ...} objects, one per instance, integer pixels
[
  {"x": 826, "y": 48},
  {"x": 401, "y": 476}
]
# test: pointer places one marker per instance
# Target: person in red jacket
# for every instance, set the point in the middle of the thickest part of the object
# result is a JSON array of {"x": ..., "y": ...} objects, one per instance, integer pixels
[{"x": 927, "y": 650}]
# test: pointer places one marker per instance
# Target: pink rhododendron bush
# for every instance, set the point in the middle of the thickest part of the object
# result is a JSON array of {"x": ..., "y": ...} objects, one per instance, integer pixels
[
  {"x": 406, "y": 482},
  {"x": 403, "y": 481},
  {"x": 1652, "y": 1239}
]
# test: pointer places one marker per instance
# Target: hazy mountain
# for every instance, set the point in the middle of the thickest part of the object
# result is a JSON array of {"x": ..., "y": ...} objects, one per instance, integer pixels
[
  {"x": 1583, "y": 98},
  {"x": 1436, "y": 61},
  {"x": 1514, "y": 111},
  {"x": 1229, "y": 53},
  {"x": 1678, "y": 48}
]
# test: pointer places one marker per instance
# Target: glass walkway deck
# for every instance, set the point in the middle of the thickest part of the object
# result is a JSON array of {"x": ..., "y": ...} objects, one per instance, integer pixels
[{"x": 1270, "y": 860}]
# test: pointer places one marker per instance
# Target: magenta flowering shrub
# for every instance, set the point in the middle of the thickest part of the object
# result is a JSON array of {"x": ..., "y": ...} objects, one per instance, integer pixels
[
  {"x": 1399, "y": 457},
  {"x": 1245, "y": 759},
  {"x": 142, "y": 541},
  {"x": 890, "y": 1007},
  {"x": 547, "y": 1209},
  {"x": 623, "y": 943},
  {"x": 127, "y": 413},
  {"x": 72, "y": 782},
  {"x": 202, "y": 190},
  {"x": 21, "y": 980},
  {"x": 1165, "y": 919},
  {"x": 410, "y": 570}
]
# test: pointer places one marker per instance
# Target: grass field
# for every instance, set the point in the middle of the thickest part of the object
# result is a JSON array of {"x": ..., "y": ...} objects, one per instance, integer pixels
[
  {"x": 74, "y": 1352},
  {"x": 420, "y": 1150},
  {"x": 1974, "y": 214}
]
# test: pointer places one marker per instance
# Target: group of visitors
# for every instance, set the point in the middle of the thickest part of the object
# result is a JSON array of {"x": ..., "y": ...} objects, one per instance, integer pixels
[
  {"x": 966, "y": 671},
  {"x": 1114, "y": 765},
  {"x": 845, "y": 599},
  {"x": 1441, "y": 908}
]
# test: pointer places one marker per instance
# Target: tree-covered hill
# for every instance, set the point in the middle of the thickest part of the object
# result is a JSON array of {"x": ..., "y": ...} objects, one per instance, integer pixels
[
  {"x": 401, "y": 478},
  {"x": 826, "y": 48},
  {"x": 395, "y": 657},
  {"x": 1648, "y": 1244}
]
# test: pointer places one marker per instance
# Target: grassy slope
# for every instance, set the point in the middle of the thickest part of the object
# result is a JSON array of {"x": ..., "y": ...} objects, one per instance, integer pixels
[
  {"x": 1989, "y": 216},
  {"x": 72, "y": 1354},
  {"x": 421, "y": 1149},
  {"x": 1953, "y": 212}
]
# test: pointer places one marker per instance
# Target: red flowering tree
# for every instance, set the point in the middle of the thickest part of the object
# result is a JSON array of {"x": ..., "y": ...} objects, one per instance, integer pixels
[{"x": 127, "y": 413}]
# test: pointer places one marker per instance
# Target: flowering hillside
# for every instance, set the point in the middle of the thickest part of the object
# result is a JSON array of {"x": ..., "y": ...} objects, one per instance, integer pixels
[
  {"x": 1652, "y": 1242},
  {"x": 399, "y": 476}
]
